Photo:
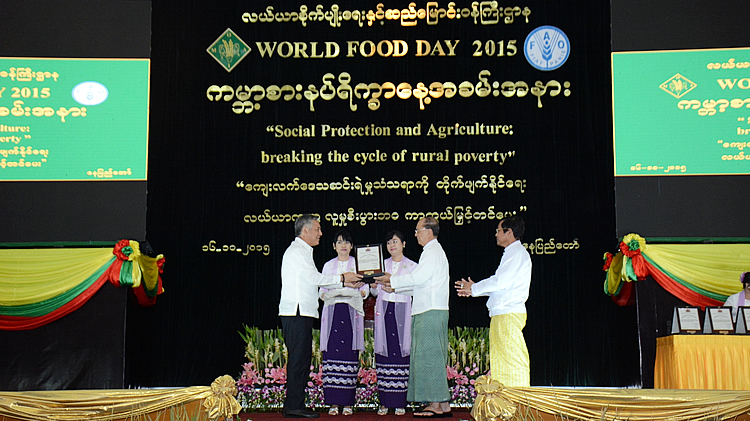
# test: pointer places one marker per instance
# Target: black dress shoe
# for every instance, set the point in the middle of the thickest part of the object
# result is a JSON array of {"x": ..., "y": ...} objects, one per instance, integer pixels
[{"x": 300, "y": 413}]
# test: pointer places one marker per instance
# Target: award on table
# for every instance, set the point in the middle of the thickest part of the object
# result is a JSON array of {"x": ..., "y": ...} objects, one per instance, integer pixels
[
  {"x": 686, "y": 320},
  {"x": 718, "y": 320},
  {"x": 743, "y": 320},
  {"x": 369, "y": 261}
]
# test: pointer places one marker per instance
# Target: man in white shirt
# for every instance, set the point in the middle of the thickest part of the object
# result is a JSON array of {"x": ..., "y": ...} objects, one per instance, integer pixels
[
  {"x": 429, "y": 283},
  {"x": 298, "y": 308},
  {"x": 508, "y": 290}
]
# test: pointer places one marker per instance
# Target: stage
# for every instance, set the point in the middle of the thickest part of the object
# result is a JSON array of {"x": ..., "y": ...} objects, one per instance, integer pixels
[{"x": 534, "y": 403}]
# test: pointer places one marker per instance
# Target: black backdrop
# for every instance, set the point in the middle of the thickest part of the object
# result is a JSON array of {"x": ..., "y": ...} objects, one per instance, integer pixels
[
  {"x": 65, "y": 212},
  {"x": 85, "y": 349},
  {"x": 656, "y": 206},
  {"x": 675, "y": 207},
  {"x": 200, "y": 150}
]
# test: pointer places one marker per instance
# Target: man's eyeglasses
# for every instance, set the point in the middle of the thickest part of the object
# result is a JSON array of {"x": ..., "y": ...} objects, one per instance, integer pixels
[
  {"x": 421, "y": 229},
  {"x": 497, "y": 230}
]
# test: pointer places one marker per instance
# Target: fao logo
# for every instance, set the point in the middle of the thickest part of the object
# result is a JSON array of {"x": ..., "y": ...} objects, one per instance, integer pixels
[
  {"x": 546, "y": 48},
  {"x": 90, "y": 93}
]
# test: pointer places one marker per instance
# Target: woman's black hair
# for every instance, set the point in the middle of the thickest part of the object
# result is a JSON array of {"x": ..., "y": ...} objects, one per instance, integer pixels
[
  {"x": 396, "y": 233},
  {"x": 343, "y": 234}
]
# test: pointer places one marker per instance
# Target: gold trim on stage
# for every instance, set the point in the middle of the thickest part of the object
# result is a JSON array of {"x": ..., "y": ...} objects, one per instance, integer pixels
[
  {"x": 221, "y": 403},
  {"x": 193, "y": 403},
  {"x": 490, "y": 403},
  {"x": 495, "y": 403}
]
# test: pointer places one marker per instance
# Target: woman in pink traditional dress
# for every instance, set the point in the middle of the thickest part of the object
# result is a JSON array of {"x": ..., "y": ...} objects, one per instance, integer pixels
[
  {"x": 393, "y": 331},
  {"x": 341, "y": 331}
]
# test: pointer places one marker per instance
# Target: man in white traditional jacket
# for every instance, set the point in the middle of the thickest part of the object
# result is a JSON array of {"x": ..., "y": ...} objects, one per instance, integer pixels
[
  {"x": 508, "y": 290},
  {"x": 298, "y": 308}
]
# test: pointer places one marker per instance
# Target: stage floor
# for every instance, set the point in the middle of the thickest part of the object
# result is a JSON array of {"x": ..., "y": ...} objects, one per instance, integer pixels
[{"x": 458, "y": 414}]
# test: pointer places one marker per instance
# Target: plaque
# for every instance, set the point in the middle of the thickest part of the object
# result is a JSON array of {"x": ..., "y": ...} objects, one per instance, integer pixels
[
  {"x": 369, "y": 261},
  {"x": 743, "y": 320},
  {"x": 718, "y": 320},
  {"x": 686, "y": 320}
]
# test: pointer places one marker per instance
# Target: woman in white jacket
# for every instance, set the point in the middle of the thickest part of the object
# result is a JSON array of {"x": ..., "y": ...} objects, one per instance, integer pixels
[
  {"x": 741, "y": 298},
  {"x": 341, "y": 330}
]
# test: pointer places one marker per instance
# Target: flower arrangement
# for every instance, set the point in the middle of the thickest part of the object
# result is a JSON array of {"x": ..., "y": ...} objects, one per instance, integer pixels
[{"x": 261, "y": 385}]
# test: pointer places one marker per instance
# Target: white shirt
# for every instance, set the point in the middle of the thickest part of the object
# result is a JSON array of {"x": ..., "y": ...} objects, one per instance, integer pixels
[
  {"x": 429, "y": 281},
  {"x": 508, "y": 288},
  {"x": 734, "y": 302},
  {"x": 300, "y": 280},
  {"x": 405, "y": 265}
]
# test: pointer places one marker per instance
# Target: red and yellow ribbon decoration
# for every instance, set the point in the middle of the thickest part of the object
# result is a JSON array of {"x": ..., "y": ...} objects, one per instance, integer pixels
[
  {"x": 38, "y": 286},
  {"x": 698, "y": 274}
]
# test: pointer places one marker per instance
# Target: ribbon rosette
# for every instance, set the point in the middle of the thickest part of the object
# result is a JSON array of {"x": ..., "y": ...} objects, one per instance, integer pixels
[
  {"x": 491, "y": 404},
  {"x": 123, "y": 250},
  {"x": 221, "y": 402},
  {"x": 127, "y": 250},
  {"x": 632, "y": 244},
  {"x": 632, "y": 247}
]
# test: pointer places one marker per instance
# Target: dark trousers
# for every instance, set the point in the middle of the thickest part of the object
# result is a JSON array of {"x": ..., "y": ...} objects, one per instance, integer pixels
[{"x": 298, "y": 338}]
